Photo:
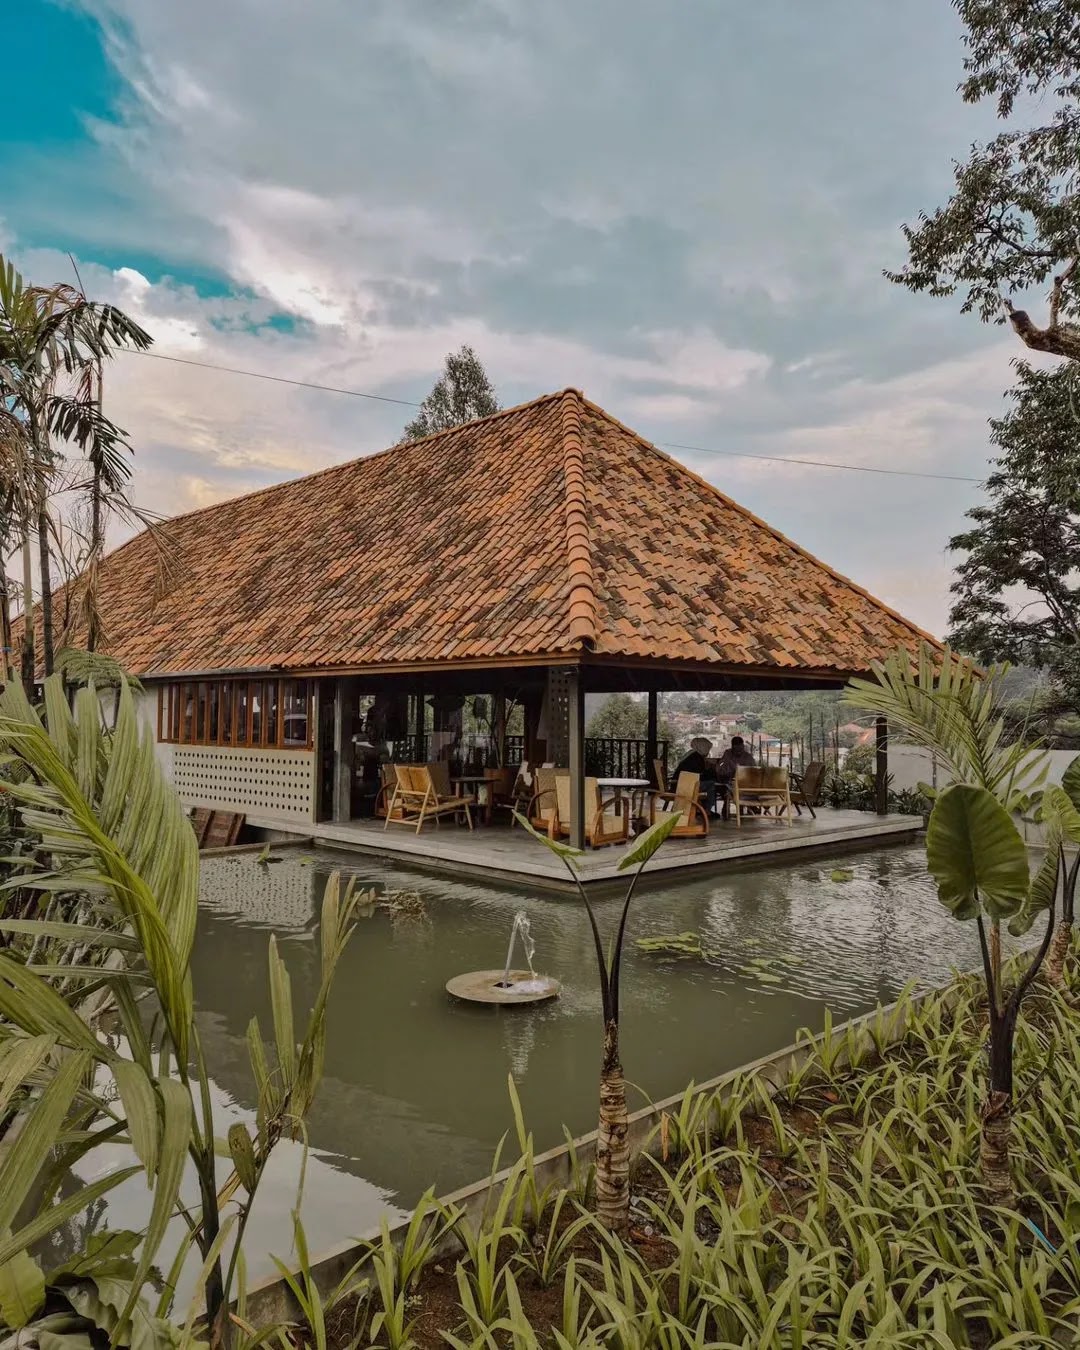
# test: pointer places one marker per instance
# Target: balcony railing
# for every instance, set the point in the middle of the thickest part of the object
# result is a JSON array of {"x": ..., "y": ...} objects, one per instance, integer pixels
[{"x": 605, "y": 756}]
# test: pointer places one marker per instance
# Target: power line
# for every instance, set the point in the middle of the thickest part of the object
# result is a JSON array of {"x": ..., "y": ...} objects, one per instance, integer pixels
[
  {"x": 277, "y": 379},
  {"x": 822, "y": 463},
  {"x": 670, "y": 445}
]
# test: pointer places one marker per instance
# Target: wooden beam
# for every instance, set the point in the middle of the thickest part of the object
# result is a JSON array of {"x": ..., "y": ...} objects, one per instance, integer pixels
[
  {"x": 343, "y": 763},
  {"x": 651, "y": 734},
  {"x": 576, "y": 693}
]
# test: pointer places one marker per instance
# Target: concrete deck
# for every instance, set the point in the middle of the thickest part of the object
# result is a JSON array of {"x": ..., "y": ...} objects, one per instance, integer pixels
[{"x": 500, "y": 851}]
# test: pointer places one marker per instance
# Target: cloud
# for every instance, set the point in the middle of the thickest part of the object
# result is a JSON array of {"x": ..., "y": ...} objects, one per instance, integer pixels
[{"x": 683, "y": 210}]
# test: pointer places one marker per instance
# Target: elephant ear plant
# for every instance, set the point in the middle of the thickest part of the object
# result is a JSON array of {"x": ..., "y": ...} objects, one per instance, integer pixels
[
  {"x": 1060, "y": 811},
  {"x": 612, "y": 1146},
  {"x": 979, "y": 861}
]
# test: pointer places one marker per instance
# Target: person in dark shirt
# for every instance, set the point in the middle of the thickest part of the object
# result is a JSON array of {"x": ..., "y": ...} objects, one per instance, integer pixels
[
  {"x": 697, "y": 761},
  {"x": 735, "y": 757}
]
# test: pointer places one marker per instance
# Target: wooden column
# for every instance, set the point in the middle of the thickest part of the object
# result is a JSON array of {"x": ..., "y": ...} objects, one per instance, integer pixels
[
  {"x": 343, "y": 750},
  {"x": 881, "y": 766},
  {"x": 498, "y": 720},
  {"x": 651, "y": 735},
  {"x": 576, "y": 699}
]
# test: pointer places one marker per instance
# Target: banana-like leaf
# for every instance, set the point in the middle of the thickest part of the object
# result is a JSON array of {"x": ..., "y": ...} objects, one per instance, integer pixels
[
  {"x": 1044, "y": 885},
  {"x": 565, "y": 851},
  {"x": 177, "y": 1120},
  {"x": 269, "y": 1097},
  {"x": 976, "y": 854},
  {"x": 140, "y": 1105},
  {"x": 1058, "y": 803},
  {"x": 20, "y": 1056},
  {"x": 33, "y": 1144},
  {"x": 946, "y": 705},
  {"x": 646, "y": 844},
  {"x": 284, "y": 1027},
  {"x": 54, "y": 1217},
  {"x": 30, "y": 1003},
  {"x": 22, "y": 1290}
]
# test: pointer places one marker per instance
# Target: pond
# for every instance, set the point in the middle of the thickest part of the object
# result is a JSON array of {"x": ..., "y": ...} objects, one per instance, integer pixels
[{"x": 415, "y": 1087}]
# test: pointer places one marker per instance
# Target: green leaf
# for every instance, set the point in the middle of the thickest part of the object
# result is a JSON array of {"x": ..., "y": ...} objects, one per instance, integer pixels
[
  {"x": 1070, "y": 781},
  {"x": 140, "y": 1105},
  {"x": 1058, "y": 805},
  {"x": 243, "y": 1157},
  {"x": 22, "y": 1290},
  {"x": 976, "y": 854},
  {"x": 841, "y": 874},
  {"x": 33, "y": 1145},
  {"x": 646, "y": 844},
  {"x": 565, "y": 851}
]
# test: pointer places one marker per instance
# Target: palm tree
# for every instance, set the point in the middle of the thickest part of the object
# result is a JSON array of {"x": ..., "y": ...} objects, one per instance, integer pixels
[
  {"x": 612, "y": 1145},
  {"x": 53, "y": 346}
]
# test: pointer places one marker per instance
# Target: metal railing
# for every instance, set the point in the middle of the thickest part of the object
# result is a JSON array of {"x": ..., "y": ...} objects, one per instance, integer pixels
[{"x": 605, "y": 756}]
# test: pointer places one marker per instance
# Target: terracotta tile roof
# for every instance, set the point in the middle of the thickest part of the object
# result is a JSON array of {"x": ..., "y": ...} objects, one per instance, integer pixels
[{"x": 546, "y": 530}]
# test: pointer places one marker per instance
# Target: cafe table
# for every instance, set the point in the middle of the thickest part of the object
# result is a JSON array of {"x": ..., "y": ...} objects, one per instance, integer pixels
[
  {"x": 482, "y": 787},
  {"x": 618, "y": 786}
]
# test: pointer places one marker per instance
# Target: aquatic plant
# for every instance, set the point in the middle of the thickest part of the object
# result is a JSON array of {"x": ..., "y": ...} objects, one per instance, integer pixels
[{"x": 612, "y": 1151}]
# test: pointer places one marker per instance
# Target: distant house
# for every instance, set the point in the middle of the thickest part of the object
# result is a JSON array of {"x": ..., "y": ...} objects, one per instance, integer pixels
[{"x": 527, "y": 558}]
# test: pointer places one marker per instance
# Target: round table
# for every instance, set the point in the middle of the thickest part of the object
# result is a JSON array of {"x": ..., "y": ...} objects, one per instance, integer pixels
[{"x": 618, "y": 784}]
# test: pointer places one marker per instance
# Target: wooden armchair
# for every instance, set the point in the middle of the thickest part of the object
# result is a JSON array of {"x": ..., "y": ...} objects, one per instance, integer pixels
[
  {"x": 519, "y": 796},
  {"x": 806, "y": 787},
  {"x": 693, "y": 818},
  {"x": 417, "y": 797},
  {"x": 762, "y": 789},
  {"x": 387, "y": 783},
  {"x": 660, "y": 774},
  {"x": 602, "y": 825},
  {"x": 543, "y": 805}
]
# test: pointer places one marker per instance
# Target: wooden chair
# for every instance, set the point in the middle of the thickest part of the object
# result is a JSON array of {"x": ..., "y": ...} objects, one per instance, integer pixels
[
  {"x": 762, "y": 789},
  {"x": 387, "y": 783},
  {"x": 602, "y": 825},
  {"x": 693, "y": 818},
  {"x": 806, "y": 787},
  {"x": 419, "y": 798},
  {"x": 515, "y": 796},
  {"x": 660, "y": 774},
  {"x": 543, "y": 805}
]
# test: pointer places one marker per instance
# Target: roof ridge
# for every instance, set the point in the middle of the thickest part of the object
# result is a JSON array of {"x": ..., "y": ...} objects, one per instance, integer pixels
[
  {"x": 333, "y": 468},
  {"x": 578, "y": 544},
  {"x": 764, "y": 525}
]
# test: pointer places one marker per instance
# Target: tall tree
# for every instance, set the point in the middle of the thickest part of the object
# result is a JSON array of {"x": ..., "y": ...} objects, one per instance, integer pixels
[
  {"x": 1013, "y": 220},
  {"x": 1017, "y": 597},
  {"x": 461, "y": 394}
]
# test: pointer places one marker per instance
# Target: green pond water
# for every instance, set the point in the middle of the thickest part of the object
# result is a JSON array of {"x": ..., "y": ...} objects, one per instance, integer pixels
[{"x": 415, "y": 1087}]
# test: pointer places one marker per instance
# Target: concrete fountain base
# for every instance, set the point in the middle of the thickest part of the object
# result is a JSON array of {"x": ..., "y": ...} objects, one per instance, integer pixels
[{"x": 486, "y": 986}]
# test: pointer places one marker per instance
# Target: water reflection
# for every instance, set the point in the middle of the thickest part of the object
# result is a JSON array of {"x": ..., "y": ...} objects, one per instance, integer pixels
[{"x": 414, "y": 1092}]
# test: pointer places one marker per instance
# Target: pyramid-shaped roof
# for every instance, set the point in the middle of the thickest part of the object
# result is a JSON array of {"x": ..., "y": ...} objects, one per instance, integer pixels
[{"x": 547, "y": 530}]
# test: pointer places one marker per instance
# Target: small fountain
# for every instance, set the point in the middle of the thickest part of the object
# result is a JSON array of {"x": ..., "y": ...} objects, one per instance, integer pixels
[{"x": 507, "y": 985}]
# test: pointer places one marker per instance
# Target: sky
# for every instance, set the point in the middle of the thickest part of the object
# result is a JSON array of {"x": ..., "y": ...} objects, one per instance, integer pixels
[{"x": 682, "y": 208}]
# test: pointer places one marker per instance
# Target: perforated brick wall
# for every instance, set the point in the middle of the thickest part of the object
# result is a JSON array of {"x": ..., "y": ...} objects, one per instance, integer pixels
[{"x": 279, "y": 784}]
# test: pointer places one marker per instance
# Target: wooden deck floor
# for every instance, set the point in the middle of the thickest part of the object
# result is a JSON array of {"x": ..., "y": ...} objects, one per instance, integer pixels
[{"x": 499, "y": 850}]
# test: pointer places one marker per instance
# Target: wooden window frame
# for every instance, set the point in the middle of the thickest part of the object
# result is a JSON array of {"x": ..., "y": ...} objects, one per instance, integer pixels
[{"x": 172, "y": 697}]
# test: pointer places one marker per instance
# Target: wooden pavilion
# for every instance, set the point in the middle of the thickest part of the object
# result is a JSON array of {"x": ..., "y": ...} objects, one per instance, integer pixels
[{"x": 529, "y": 559}]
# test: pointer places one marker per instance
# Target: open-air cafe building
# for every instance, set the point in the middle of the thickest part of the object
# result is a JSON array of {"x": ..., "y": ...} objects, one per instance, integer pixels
[{"x": 454, "y": 600}]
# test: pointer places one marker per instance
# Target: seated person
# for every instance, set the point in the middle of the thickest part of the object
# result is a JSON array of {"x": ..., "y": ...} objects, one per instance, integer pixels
[
  {"x": 735, "y": 757},
  {"x": 698, "y": 761}
]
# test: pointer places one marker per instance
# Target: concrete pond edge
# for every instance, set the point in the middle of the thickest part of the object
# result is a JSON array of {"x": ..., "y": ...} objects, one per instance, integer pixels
[{"x": 271, "y": 1301}]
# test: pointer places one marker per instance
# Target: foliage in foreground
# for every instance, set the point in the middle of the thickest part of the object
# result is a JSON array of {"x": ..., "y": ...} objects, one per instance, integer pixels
[
  {"x": 111, "y": 831},
  {"x": 838, "y": 1210}
]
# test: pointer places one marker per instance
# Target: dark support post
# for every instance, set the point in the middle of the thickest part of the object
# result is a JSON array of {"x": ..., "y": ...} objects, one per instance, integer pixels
[
  {"x": 651, "y": 735},
  {"x": 499, "y": 726},
  {"x": 881, "y": 767},
  {"x": 576, "y": 700},
  {"x": 343, "y": 751}
]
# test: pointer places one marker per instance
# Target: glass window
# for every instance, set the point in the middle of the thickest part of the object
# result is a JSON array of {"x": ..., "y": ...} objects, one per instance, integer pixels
[
  {"x": 256, "y": 713},
  {"x": 213, "y": 720},
  {"x": 227, "y": 692},
  {"x": 187, "y": 725},
  {"x": 174, "y": 712},
  {"x": 270, "y": 712},
  {"x": 243, "y": 707},
  {"x": 295, "y": 712}
]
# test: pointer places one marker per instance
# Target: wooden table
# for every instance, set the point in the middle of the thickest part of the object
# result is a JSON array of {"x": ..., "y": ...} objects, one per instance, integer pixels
[
  {"x": 618, "y": 784},
  {"x": 476, "y": 781}
]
